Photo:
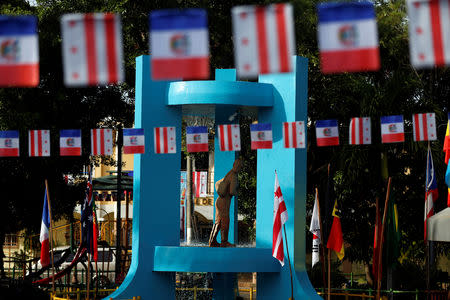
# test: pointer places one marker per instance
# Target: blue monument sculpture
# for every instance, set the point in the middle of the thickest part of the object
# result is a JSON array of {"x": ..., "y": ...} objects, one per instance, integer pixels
[{"x": 157, "y": 254}]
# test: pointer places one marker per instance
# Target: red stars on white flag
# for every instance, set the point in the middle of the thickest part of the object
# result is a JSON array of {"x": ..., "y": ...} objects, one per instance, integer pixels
[
  {"x": 294, "y": 134},
  {"x": 92, "y": 49},
  {"x": 101, "y": 141},
  {"x": 230, "y": 137},
  {"x": 360, "y": 132},
  {"x": 264, "y": 40},
  {"x": 429, "y": 32},
  {"x": 424, "y": 127},
  {"x": 164, "y": 138},
  {"x": 280, "y": 217},
  {"x": 39, "y": 143}
]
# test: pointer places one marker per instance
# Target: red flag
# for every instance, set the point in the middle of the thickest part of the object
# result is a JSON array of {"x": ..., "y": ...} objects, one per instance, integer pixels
[
  {"x": 335, "y": 239},
  {"x": 376, "y": 246},
  {"x": 280, "y": 217}
]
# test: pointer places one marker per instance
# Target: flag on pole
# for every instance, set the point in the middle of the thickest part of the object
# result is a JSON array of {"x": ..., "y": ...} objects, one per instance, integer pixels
[
  {"x": 165, "y": 140},
  {"x": 9, "y": 143},
  {"x": 348, "y": 37},
  {"x": 335, "y": 239},
  {"x": 280, "y": 216},
  {"x": 392, "y": 235},
  {"x": 87, "y": 221},
  {"x": 264, "y": 39},
  {"x": 197, "y": 138},
  {"x": 424, "y": 127},
  {"x": 447, "y": 141},
  {"x": 200, "y": 183},
  {"x": 19, "y": 51},
  {"x": 179, "y": 44},
  {"x": 376, "y": 264},
  {"x": 360, "y": 131},
  {"x": 70, "y": 142},
  {"x": 431, "y": 191},
  {"x": 294, "y": 134},
  {"x": 314, "y": 228},
  {"x": 101, "y": 142},
  {"x": 327, "y": 133},
  {"x": 45, "y": 236},
  {"x": 261, "y": 136},
  {"x": 38, "y": 143},
  {"x": 133, "y": 141},
  {"x": 229, "y": 137},
  {"x": 392, "y": 130},
  {"x": 92, "y": 49},
  {"x": 429, "y": 32}
]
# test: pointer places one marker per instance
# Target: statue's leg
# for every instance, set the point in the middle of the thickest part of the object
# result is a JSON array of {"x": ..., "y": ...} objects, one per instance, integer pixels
[
  {"x": 215, "y": 230},
  {"x": 224, "y": 228}
]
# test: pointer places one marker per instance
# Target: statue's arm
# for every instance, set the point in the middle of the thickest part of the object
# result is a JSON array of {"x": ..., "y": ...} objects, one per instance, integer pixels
[{"x": 233, "y": 185}]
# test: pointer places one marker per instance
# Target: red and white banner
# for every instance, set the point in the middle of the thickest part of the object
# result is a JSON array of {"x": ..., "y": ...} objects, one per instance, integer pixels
[
  {"x": 429, "y": 32},
  {"x": 294, "y": 134},
  {"x": 199, "y": 181},
  {"x": 264, "y": 39},
  {"x": 280, "y": 217},
  {"x": 314, "y": 228},
  {"x": 424, "y": 127},
  {"x": 164, "y": 138},
  {"x": 92, "y": 49},
  {"x": 38, "y": 143},
  {"x": 360, "y": 131},
  {"x": 229, "y": 137},
  {"x": 101, "y": 142}
]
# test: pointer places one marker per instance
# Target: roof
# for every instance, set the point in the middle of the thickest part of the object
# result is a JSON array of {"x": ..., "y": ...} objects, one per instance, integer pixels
[{"x": 109, "y": 183}]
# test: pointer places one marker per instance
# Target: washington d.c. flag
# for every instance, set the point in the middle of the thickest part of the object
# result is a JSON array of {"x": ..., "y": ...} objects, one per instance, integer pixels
[
  {"x": 424, "y": 127},
  {"x": 179, "y": 44},
  {"x": 348, "y": 37},
  {"x": 19, "y": 51},
  {"x": 360, "y": 131}
]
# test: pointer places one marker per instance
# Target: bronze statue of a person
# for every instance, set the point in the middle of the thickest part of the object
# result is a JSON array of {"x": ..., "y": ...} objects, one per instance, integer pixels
[{"x": 226, "y": 188}]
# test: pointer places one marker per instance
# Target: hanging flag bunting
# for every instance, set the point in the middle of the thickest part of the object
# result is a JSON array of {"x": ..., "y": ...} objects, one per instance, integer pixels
[
  {"x": 392, "y": 130},
  {"x": 360, "y": 131},
  {"x": 424, "y": 127},
  {"x": 179, "y": 44},
  {"x": 294, "y": 134},
  {"x": 431, "y": 191},
  {"x": 327, "y": 133},
  {"x": 429, "y": 32},
  {"x": 348, "y": 37},
  {"x": 165, "y": 141},
  {"x": 9, "y": 143},
  {"x": 70, "y": 142},
  {"x": 264, "y": 39},
  {"x": 101, "y": 142},
  {"x": 314, "y": 228},
  {"x": 197, "y": 138},
  {"x": 199, "y": 183},
  {"x": 19, "y": 51},
  {"x": 229, "y": 137},
  {"x": 44, "y": 235},
  {"x": 261, "y": 136},
  {"x": 38, "y": 143},
  {"x": 133, "y": 141},
  {"x": 92, "y": 49},
  {"x": 280, "y": 216}
]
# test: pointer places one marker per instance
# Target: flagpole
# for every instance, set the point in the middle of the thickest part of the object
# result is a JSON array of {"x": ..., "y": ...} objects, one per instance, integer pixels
[
  {"x": 329, "y": 251},
  {"x": 50, "y": 235},
  {"x": 322, "y": 252},
  {"x": 88, "y": 275},
  {"x": 427, "y": 254},
  {"x": 380, "y": 251},
  {"x": 289, "y": 260},
  {"x": 377, "y": 235}
]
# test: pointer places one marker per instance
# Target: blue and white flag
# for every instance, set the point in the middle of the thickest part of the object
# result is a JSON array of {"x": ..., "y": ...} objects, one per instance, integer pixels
[
  {"x": 327, "y": 133},
  {"x": 133, "y": 141},
  {"x": 261, "y": 136},
  {"x": 197, "y": 138},
  {"x": 70, "y": 142},
  {"x": 392, "y": 129},
  {"x": 9, "y": 143}
]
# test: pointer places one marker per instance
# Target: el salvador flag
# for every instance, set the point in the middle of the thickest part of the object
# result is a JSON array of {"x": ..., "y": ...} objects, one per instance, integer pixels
[
  {"x": 261, "y": 136},
  {"x": 179, "y": 44},
  {"x": 70, "y": 142}
]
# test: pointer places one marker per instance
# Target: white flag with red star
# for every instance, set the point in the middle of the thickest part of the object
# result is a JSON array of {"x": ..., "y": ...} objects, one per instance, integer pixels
[
  {"x": 294, "y": 134},
  {"x": 429, "y": 32}
]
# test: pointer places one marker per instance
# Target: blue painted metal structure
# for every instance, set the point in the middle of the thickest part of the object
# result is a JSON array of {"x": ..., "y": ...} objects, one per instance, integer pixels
[{"x": 156, "y": 252}]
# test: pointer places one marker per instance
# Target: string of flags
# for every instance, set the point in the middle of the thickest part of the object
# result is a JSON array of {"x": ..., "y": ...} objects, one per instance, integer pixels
[
  {"x": 264, "y": 42},
  {"x": 229, "y": 137}
]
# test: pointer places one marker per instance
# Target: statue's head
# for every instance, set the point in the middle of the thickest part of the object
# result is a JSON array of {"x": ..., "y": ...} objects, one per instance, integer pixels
[{"x": 237, "y": 165}]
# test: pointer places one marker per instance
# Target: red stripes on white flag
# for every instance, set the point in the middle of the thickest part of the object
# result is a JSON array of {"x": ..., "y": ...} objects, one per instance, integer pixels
[
  {"x": 92, "y": 49},
  {"x": 360, "y": 131},
  {"x": 429, "y": 32},
  {"x": 294, "y": 134},
  {"x": 280, "y": 217},
  {"x": 38, "y": 143},
  {"x": 101, "y": 141},
  {"x": 165, "y": 141},
  {"x": 424, "y": 127},
  {"x": 199, "y": 183},
  {"x": 230, "y": 137},
  {"x": 264, "y": 39}
]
